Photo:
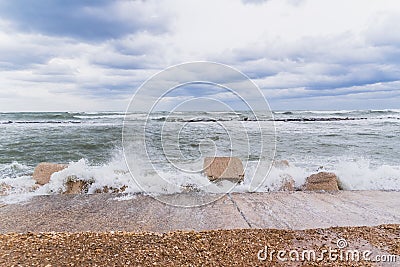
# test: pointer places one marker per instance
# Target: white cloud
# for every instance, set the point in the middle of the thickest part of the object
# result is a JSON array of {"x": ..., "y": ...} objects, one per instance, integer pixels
[{"x": 294, "y": 50}]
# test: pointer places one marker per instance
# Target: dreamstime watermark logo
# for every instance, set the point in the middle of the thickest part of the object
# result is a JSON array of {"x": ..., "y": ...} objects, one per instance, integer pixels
[
  {"x": 339, "y": 253},
  {"x": 341, "y": 243},
  {"x": 188, "y": 112}
]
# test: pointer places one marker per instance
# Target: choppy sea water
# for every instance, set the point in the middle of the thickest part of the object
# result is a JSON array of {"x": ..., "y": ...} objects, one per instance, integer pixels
[{"x": 361, "y": 147}]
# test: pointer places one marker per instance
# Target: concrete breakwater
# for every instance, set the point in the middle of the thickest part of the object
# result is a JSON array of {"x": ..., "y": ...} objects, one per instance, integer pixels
[{"x": 281, "y": 210}]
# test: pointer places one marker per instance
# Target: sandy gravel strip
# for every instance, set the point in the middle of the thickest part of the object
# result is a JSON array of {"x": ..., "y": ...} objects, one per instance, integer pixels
[{"x": 239, "y": 247}]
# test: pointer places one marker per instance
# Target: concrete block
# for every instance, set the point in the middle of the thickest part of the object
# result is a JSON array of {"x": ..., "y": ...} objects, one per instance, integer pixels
[
  {"x": 44, "y": 170},
  {"x": 223, "y": 168}
]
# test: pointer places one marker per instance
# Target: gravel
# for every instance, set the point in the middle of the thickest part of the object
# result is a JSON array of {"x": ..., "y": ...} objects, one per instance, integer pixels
[{"x": 206, "y": 248}]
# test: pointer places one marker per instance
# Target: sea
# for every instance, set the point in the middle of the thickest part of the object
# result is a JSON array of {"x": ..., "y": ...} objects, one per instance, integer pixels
[{"x": 362, "y": 147}]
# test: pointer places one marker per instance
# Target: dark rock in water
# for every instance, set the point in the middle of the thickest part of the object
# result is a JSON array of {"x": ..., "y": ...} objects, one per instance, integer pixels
[
  {"x": 111, "y": 189},
  {"x": 320, "y": 119},
  {"x": 322, "y": 181},
  {"x": 76, "y": 186},
  {"x": 288, "y": 183},
  {"x": 224, "y": 168},
  {"x": 189, "y": 188},
  {"x": 44, "y": 170},
  {"x": 4, "y": 189},
  {"x": 287, "y": 180},
  {"x": 202, "y": 120}
]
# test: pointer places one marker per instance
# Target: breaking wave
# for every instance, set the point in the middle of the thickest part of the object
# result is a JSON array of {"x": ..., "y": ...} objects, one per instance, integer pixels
[{"x": 18, "y": 185}]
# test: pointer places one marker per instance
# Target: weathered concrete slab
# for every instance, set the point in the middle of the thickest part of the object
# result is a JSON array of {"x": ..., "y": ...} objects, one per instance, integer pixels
[
  {"x": 102, "y": 212},
  {"x": 281, "y": 210},
  {"x": 229, "y": 168},
  {"x": 303, "y": 210}
]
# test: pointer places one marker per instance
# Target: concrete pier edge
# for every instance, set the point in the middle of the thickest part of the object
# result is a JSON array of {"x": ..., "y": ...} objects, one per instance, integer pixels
[{"x": 138, "y": 213}]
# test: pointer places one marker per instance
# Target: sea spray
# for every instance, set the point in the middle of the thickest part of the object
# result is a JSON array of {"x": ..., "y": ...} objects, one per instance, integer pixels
[
  {"x": 361, "y": 175},
  {"x": 353, "y": 175},
  {"x": 363, "y": 151}
]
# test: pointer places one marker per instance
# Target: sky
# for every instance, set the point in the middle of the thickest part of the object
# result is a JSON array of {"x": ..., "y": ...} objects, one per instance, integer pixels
[{"x": 79, "y": 55}]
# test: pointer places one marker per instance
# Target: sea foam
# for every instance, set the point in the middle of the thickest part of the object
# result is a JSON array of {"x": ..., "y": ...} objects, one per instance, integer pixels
[{"x": 356, "y": 174}]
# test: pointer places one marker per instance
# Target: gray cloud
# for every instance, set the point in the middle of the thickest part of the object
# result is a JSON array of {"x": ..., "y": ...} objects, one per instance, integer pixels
[
  {"x": 103, "y": 50},
  {"x": 318, "y": 64},
  {"x": 87, "y": 20}
]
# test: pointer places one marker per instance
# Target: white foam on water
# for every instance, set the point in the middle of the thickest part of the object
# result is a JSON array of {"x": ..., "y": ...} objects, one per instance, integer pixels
[
  {"x": 353, "y": 175},
  {"x": 13, "y": 169},
  {"x": 275, "y": 179},
  {"x": 113, "y": 174},
  {"x": 115, "y": 116},
  {"x": 361, "y": 175},
  {"x": 17, "y": 198},
  {"x": 125, "y": 197},
  {"x": 19, "y": 184}
]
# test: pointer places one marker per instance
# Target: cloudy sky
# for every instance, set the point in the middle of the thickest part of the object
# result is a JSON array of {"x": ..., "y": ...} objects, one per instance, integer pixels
[{"x": 79, "y": 55}]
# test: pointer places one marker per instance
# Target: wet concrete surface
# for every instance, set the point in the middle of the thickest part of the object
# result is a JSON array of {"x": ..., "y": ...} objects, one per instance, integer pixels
[{"x": 139, "y": 213}]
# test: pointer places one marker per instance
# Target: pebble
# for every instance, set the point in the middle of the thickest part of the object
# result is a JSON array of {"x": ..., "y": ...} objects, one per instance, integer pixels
[{"x": 237, "y": 247}]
